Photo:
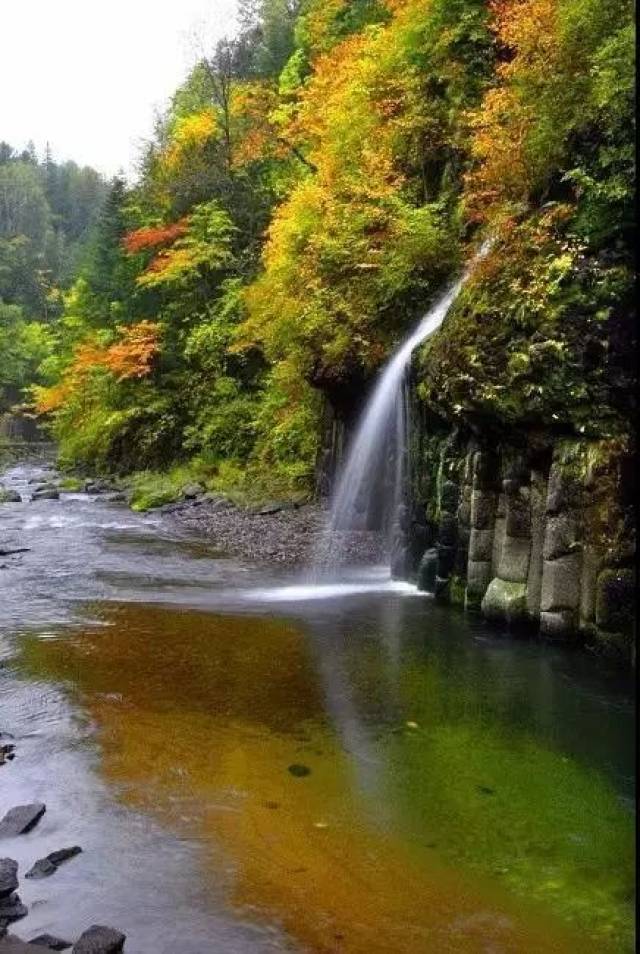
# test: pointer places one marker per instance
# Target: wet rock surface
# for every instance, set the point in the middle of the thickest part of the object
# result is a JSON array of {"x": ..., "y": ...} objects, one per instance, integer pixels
[
  {"x": 50, "y": 942},
  {"x": 8, "y": 876},
  {"x": 21, "y": 819},
  {"x": 100, "y": 940},
  {"x": 44, "y": 867}
]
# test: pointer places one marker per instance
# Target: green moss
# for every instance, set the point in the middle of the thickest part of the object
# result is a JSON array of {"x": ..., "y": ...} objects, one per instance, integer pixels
[
  {"x": 71, "y": 484},
  {"x": 505, "y": 601},
  {"x": 457, "y": 590}
]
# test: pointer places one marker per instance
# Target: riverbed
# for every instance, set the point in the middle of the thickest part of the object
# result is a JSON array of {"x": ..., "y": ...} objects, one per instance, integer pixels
[{"x": 251, "y": 763}]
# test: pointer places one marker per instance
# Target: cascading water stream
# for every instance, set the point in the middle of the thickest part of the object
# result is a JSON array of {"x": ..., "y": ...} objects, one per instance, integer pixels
[{"x": 373, "y": 476}]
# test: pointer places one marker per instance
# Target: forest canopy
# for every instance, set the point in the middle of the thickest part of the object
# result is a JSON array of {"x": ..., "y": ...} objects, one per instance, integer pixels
[{"x": 312, "y": 185}]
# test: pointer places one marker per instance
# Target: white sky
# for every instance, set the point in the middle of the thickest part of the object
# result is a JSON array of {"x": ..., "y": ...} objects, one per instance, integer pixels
[{"x": 87, "y": 75}]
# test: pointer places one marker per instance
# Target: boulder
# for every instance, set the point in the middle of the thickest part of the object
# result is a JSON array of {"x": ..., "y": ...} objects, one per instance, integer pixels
[
  {"x": 100, "y": 940},
  {"x": 506, "y": 602},
  {"x": 44, "y": 867},
  {"x": 191, "y": 491},
  {"x": 13, "y": 945},
  {"x": 9, "y": 495},
  {"x": 51, "y": 942},
  {"x": 21, "y": 819},
  {"x": 12, "y": 908},
  {"x": 47, "y": 493},
  {"x": 8, "y": 876}
]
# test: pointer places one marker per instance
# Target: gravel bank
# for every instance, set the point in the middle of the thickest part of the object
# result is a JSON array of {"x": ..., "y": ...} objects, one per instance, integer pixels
[{"x": 284, "y": 534}]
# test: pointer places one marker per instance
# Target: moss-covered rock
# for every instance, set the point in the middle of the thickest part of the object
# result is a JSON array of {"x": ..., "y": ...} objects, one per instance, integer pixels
[{"x": 506, "y": 602}]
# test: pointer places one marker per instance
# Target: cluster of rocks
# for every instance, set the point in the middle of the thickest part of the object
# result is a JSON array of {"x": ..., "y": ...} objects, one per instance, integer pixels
[
  {"x": 51, "y": 489},
  {"x": 18, "y": 821}
]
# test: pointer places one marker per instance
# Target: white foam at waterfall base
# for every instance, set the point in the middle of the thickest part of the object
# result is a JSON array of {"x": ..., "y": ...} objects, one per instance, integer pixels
[{"x": 383, "y": 422}]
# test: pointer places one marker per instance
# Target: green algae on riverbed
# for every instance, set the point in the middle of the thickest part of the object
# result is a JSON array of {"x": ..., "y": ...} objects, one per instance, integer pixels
[{"x": 451, "y": 810}]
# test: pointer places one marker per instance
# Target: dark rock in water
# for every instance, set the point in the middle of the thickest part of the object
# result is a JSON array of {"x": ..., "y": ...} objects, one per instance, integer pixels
[
  {"x": 8, "y": 495},
  {"x": 299, "y": 771},
  {"x": 8, "y": 876},
  {"x": 13, "y": 945},
  {"x": 7, "y": 753},
  {"x": 21, "y": 819},
  {"x": 47, "y": 866},
  {"x": 12, "y": 908},
  {"x": 100, "y": 940},
  {"x": 51, "y": 942},
  {"x": 63, "y": 854},
  {"x": 41, "y": 869},
  {"x": 99, "y": 486},
  {"x": 47, "y": 494}
]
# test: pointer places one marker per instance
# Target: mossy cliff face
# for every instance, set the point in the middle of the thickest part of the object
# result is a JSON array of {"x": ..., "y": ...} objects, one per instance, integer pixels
[{"x": 529, "y": 530}]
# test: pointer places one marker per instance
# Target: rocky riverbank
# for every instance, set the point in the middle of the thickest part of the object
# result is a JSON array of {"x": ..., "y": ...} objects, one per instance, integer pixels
[{"x": 18, "y": 822}]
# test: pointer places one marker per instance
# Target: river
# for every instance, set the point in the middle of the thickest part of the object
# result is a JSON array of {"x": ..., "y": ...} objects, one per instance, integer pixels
[{"x": 252, "y": 766}]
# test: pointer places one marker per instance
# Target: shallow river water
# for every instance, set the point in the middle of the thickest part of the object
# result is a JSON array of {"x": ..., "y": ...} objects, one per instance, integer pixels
[{"x": 253, "y": 765}]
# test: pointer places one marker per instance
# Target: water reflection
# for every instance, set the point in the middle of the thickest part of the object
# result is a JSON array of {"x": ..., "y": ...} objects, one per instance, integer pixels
[{"x": 456, "y": 776}]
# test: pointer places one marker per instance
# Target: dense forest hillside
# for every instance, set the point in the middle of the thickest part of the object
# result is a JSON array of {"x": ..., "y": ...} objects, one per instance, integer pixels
[
  {"x": 312, "y": 185},
  {"x": 47, "y": 211}
]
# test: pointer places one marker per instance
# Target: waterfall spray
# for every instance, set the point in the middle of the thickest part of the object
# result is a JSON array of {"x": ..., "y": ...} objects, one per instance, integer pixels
[{"x": 383, "y": 426}]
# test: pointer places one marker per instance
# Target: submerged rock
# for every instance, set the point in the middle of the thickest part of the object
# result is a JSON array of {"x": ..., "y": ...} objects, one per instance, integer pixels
[
  {"x": 44, "y": 867},
  {"x": 9, "y": 495},
  {"x": 21, "y": 819},
  {"x": 505, "y": 601},
  {"x": 99, "y": 486},
  {"x": 45, "y": 493},
  {"x": 51, "y": 942},
  {"x": 8, "y": 876},
  {"x": 12, "y": 908},
  {"x": 299, "y": 771},
  {"x": 100, "y": 940}
]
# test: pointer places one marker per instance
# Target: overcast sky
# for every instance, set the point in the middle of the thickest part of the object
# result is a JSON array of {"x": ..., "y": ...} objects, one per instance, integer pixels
[{"x": 87, "y": 75}]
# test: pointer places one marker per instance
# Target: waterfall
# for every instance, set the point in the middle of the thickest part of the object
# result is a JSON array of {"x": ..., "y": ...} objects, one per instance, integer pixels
[{"x": 370, "y": 486}]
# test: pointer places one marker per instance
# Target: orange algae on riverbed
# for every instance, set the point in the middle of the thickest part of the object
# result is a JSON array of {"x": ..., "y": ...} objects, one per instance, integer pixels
[{"x": 200, "y": 718}]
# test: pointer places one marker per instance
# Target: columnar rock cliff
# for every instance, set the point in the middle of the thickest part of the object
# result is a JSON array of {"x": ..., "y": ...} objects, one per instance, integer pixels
[{"x": 531, "y": 530}]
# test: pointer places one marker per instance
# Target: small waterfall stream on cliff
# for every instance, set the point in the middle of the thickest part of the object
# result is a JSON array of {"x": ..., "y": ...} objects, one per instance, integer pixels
[{"x": 371, "y": 485}]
